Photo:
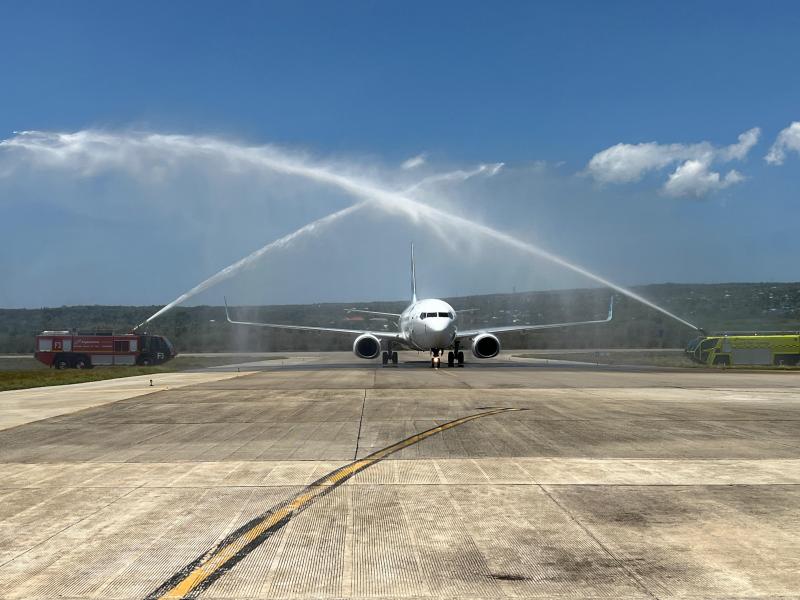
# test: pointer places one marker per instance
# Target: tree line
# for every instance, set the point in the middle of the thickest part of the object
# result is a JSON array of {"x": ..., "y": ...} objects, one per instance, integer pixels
[{"x": 714, "y": 307}]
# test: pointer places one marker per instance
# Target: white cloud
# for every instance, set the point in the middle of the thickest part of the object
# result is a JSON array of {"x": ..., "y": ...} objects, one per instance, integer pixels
[
  {"x": 788, "y": 140},
  {"x": 625, "y": 163},
  {"x": 739, "y": 151},
  {"x": 414, "y": 162},
  {"x": 693, "y": 178}
]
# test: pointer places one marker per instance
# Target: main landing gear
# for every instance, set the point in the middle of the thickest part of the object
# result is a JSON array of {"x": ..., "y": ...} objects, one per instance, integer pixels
[
  {"x": 455, "y": 356},
  {"x": 389, "y": 355}
]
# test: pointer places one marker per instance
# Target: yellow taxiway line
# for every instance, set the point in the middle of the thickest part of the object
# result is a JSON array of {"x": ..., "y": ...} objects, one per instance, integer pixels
[{"x": 198, "y": 575}]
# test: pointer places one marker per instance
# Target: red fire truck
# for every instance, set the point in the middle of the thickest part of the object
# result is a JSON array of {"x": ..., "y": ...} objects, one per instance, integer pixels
[{"x": 84, "y": 350}]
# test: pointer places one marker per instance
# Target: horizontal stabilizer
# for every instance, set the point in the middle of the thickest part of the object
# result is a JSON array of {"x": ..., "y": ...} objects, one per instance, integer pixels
[{"x": 372, "y": 312}]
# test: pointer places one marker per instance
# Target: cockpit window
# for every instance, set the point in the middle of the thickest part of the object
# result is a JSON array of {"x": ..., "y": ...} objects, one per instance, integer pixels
[
  {"x": 444, "y": 314},
  {"x": 423, "y": 315}
]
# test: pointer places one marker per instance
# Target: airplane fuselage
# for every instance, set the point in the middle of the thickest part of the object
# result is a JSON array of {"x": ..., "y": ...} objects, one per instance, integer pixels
[{"x": 428, "y": 324}]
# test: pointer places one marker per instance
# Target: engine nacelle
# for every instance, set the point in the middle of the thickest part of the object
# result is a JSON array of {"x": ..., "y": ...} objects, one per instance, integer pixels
[
  {"x": 485, "y": 346},
  {"x": 367, "y": 346}
]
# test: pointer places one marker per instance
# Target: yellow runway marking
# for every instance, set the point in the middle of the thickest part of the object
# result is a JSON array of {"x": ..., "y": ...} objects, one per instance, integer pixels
[{"x": 198, "y": 575}]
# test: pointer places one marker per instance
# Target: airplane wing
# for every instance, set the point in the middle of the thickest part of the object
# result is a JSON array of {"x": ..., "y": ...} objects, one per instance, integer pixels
[
  {"x": 509, "y": 328},
  {"x": 388, "y": 335},
  {"x": 372, "y": 312}
]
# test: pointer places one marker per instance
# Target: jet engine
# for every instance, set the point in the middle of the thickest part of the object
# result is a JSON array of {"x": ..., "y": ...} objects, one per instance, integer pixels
[
  {"x": 485, "y": 346},
  {"x": 367, "y": 346}
]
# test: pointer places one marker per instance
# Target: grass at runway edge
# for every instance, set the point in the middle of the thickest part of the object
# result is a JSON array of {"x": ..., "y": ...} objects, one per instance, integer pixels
[
  {"x": 666, "y": 358},
  {"x": 33, "y": 376}
]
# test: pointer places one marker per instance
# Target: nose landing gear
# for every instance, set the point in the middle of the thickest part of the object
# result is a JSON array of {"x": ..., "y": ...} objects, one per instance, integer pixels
[{"x": 454, "y": 357}]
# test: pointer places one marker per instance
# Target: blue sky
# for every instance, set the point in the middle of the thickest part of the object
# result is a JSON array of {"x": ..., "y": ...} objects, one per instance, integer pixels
[
  {"x": 533, "y": 80},
  {"x": 362, "y": 87}
]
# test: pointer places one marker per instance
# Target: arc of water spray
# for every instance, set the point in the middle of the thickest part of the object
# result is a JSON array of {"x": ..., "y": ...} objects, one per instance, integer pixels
[
  {"x": 535, "y": 250},
  {"x": 393, "y": 201},
  {"x": 441, "y": 217},
  {"x": 390, "y": 200},
  {"x": 251, "y": 258},
  {"x": 527, "y": 247},
  {"x": 455, "y": 176}
]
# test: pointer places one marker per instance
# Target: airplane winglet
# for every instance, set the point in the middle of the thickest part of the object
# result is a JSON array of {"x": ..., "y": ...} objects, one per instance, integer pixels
[
  {"x": 413, "y": 277},
  {"x": 227, "y": 314}
]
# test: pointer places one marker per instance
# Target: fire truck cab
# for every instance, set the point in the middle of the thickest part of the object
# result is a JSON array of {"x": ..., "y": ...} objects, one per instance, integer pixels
[{"x": 84, "y": 350}]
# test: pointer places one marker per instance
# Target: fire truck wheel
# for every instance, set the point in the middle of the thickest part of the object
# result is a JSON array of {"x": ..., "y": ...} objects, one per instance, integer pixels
[
  {"x": 145, "y": 362},
  {"x": 82, "y": 363},
  {"x": 61, "y": 363}
]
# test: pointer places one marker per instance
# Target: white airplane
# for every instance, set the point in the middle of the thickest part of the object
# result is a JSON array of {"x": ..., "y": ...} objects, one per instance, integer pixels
[{"x": 426, "y": 325}]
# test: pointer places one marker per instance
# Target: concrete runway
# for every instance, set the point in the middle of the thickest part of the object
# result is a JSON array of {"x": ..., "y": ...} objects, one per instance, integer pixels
[{"x": 332, "y": 477}]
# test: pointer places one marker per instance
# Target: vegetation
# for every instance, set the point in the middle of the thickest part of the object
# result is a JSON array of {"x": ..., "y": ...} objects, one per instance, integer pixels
[
  {"x": 734, "y": 306},
  {"x": 18, "y": 380},
  {"x": 28, "y": 373}
]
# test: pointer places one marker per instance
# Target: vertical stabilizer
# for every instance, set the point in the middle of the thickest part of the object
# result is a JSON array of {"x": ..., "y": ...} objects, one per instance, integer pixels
[{"x": 413, "y": 276}]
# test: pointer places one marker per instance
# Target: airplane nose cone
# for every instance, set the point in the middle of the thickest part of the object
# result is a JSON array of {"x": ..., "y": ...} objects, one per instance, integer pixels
[
  {"x": 437, "y": 325},
  {"x": 440, "y": 333}
]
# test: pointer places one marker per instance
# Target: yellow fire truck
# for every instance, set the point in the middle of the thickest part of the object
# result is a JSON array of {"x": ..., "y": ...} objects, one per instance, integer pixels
[{"x": 747, "y": 350}]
